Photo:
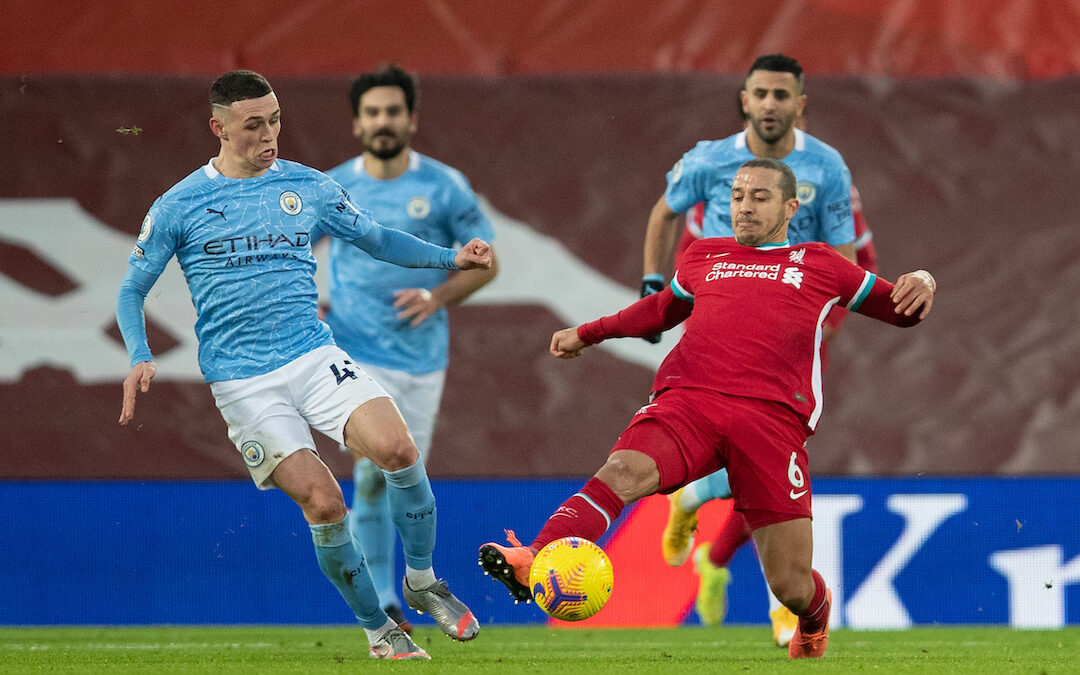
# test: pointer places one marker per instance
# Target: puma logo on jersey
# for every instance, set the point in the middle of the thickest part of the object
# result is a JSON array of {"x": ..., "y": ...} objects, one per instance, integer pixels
[{"x": 220, "y": 213}]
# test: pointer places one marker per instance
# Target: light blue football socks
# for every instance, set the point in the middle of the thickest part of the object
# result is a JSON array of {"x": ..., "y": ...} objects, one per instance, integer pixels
[
  {"x": 412, "y": 509},
  {"x": 343, "y": 564},
  {"x": 713, "y": 486},
  {"x": 373, "y": 530}
]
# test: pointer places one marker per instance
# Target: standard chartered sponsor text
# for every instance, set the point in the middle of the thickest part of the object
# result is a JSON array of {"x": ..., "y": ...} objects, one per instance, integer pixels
[{"x": 724, "y": 270}]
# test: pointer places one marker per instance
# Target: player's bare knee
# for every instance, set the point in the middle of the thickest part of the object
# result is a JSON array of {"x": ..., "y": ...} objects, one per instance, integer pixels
[
  {"x": 628, "y": 477},
  {"x": 324, "y": 506},
  {"x": 792, "y": 591},
  {"x": 393, "y": 453}
]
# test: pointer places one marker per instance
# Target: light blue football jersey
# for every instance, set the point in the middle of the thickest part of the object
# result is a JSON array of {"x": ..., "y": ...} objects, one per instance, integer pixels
[
  {"x": 430, "y": 200},
  {"x": 705, "y": 173},
  {"x": 244, "y": 247}
]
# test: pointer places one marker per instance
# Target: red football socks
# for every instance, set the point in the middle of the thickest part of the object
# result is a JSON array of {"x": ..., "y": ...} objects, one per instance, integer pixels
[
  {"x": 732, "y": 535},
  {"x": 587, "y": 514},
  {"x": 816, "y": 615}
]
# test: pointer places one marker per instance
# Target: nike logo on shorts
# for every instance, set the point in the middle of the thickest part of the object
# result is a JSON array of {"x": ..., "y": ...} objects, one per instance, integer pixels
[{"x": 796, "y": 495}]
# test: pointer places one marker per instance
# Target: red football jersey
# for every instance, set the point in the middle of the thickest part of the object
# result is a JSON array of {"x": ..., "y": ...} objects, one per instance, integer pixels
[{"x": 753, "y": 319}]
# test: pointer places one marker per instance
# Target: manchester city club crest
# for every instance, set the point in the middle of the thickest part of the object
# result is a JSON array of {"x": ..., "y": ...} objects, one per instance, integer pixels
[
  {"x": 147, "y": 228},
  {"x": 806, "y": 191},
  {"x": 418, "y": 207},
  {"x": 290, "y": 202},
  {"x": 253, "y": 453}
]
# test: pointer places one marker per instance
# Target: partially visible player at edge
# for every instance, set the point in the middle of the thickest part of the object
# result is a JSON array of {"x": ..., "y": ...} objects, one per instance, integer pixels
[
  {"x": 711, "y": 558},
  {"x": 392, "y": 319},
  {"x": 239, "y": 227},
  {"x": 741, "y": 389}
]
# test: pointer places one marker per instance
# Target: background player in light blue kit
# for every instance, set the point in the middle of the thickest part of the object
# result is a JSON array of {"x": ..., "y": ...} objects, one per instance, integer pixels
[
  {"x": 392, "y": 319},
  {"x": 240, "y": 228},
  {"x": 772, "y": 100}
]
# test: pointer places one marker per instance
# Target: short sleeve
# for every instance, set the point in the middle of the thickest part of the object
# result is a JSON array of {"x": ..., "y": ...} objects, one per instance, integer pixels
[
  {"x": 687, "y": 182},
  {"x": 837, "y": 219},
  {"x": 339, "y": 216},
  {"x": 158, "y": 237}
]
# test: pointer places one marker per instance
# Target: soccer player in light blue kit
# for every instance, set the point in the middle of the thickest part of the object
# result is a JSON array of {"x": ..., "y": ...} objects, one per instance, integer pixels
[
  {"x": 391, "y": 319},
  {"x": 773, "y": 102},
  {"x": 240, "y": 229}
]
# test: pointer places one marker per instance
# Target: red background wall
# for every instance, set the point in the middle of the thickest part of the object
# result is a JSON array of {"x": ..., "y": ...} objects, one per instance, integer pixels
[
  {"x": 957, "y": 119},
  {"x": 994, "y": 38}
]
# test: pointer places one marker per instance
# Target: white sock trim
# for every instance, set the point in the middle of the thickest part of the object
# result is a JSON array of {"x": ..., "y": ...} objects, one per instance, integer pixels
[
  {"x": 418, "y": 579},
  {"x": 376, "y": 634},
  {"x": 689, "y": 500},
  {"x": 596, "y": 506}
]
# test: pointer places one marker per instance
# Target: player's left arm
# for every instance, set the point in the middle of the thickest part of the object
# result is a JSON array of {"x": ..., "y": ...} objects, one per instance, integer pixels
[
  {"x": 835, "y": 210},
  {"x": 905, "y": 303},
  {"x": 341, "y": 218},
  {"x": 401, "y": 248}
]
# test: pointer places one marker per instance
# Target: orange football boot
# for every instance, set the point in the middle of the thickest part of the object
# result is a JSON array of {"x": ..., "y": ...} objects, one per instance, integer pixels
[{"x": 510, "y": 565}]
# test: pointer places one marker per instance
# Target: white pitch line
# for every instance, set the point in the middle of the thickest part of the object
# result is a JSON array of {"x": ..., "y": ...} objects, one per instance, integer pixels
[{"x": 105, "y": 646}]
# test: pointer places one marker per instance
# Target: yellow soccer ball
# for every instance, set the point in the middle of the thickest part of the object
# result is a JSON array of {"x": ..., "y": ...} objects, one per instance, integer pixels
[{"x": 571, "y": 578}]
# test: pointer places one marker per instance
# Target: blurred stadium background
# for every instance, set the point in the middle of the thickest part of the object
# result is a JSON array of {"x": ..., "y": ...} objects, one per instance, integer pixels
[{"x": 947, "y": 461}]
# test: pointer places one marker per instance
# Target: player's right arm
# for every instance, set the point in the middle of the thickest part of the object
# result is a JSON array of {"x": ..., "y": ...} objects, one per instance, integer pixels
[
  {"x": 687, "y": 184},
  {"x": 131, "y": 320},
  {"x": 652, "y": 314},
  {"x": 661, "y": 235}
]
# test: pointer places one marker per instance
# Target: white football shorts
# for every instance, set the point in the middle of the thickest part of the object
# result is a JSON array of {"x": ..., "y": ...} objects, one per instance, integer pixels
[
  {"x": 417, "y": 397},
  {"x": 270, "y": 416}
]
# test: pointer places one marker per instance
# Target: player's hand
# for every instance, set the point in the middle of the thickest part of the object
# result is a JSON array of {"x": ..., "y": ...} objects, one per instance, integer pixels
[
  {"x": 416, "y": 305},
  {"x": 566, "y": 344},
  {"x": 912, "y": 291},
  {"x": 137, "y": 380},
  {"x": 474, "y": 255},
  {"x": 652, "y": 283}
]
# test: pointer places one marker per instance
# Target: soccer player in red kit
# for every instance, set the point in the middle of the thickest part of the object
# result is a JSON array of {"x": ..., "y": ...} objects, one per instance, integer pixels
[
  {"x": 741, "y": 389},
  {"x": 677, "y": 541}
]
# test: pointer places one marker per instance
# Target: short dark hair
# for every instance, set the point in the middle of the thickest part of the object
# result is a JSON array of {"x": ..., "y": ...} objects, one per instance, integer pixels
[
  {"x": 238, "y": 85},
  {"x": 788, "y": 183},
  {"x": 778, "y": 63},
  {"x": 392, "y": 75}
]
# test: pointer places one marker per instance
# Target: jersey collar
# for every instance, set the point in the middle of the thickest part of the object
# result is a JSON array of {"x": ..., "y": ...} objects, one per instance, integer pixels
[
  {"x": 359, "y": 170},
  {"x": 768, "y": 247},
  {"x": 212, "y": 172},
  {"x": 800, "y": 140}
]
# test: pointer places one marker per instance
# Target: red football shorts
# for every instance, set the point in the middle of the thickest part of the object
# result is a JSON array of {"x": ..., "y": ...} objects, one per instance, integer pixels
[{"x": 691, "y": 433}]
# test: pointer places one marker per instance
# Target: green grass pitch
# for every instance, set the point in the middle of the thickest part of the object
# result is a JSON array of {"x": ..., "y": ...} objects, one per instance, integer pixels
[{"x": 531, "y": 649}]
